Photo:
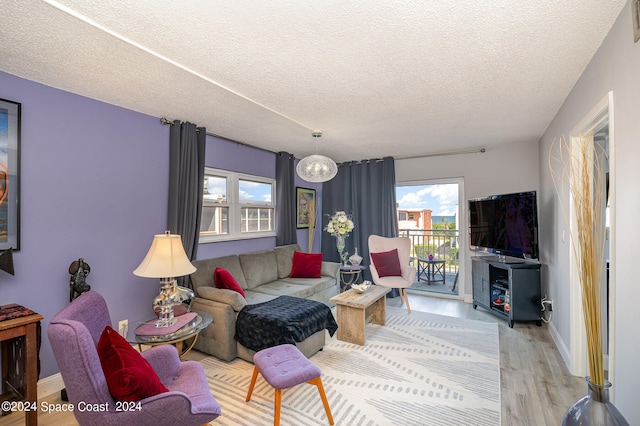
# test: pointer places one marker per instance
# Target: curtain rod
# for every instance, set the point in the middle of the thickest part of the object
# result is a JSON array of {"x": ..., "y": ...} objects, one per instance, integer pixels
[
  {"x": 166, "y": 121},
  {"x": 440, "y": 154}
]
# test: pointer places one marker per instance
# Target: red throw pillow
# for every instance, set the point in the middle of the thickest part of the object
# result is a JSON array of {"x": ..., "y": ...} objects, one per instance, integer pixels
[
  {"x": 306, "y": 265},
  {"x": 387, "y": 263},
  {"x": 129, "y": 376},
  {"x": 223, "y": 279}
]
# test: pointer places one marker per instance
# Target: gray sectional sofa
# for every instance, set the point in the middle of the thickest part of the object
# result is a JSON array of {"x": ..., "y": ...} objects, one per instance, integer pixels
[{"x": 263, "y": 275}]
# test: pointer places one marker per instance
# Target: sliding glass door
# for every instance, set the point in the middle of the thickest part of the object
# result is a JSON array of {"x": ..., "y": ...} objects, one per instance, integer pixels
[{"x": 429, "y": 213}]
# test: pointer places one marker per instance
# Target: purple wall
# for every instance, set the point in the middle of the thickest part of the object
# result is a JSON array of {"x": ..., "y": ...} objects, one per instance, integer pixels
[{"x": 94, "y": 185}]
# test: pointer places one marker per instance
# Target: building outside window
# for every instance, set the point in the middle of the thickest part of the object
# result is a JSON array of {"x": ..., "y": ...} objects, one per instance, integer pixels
[{"x": 237, "y": 206}]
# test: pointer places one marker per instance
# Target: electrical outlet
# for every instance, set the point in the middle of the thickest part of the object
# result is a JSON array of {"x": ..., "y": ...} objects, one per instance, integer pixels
[{"x": 123, "y": 327}]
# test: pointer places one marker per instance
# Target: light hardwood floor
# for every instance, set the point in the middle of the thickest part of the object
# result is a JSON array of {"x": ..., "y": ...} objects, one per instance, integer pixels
[{"x": 536, "y": 385}]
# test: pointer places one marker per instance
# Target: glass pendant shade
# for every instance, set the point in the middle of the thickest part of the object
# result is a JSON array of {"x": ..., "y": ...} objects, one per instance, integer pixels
[{"x": 317, "y": 168}]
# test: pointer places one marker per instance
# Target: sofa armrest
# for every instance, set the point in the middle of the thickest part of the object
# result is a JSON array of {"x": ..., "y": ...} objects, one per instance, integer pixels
[
  {"x": 223, "y": 295},
  {"x": 218, "y": 338},
  {"x": 331, "y": 269}
]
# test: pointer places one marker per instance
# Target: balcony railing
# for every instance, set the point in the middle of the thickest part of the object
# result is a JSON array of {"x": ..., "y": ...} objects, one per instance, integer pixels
[{"x": 442, "y": 244}]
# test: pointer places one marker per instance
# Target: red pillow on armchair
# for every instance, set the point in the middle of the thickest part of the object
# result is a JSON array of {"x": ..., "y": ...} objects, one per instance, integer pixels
[
  {"x": 223, "y": 279},
  {"x": 306, "y": 265},
  {"x": 129, "y": 376},
  {"x": 387, "y": 263}
]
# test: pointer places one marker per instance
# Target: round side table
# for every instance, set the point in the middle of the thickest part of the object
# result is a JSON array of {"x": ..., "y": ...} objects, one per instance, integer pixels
[
  {"x": 349, "y": 274},
  {"x": 191, "y": 330}
]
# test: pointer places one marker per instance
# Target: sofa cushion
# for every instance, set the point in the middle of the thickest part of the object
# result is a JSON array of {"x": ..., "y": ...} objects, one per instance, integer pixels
[
  {"x": 254, "y": 297},
  {"x": 284, "y": 288},
  {"x": 129, "y": 376},
  {"x": 205, "y": 269},
  {"x": 331, "y": 269},
  {"x": 223, "y": 279},
  {"x": 284, "y": 257},
  {"x": 259, "y": 267},
  {"x": 318, "y": 284},
  {"x": 306, "y": 265},
  {"x": 387, "y": 263}
]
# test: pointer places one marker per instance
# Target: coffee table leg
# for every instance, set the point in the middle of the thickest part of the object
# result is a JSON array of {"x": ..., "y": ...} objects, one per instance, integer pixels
[
  {"x": 350, "y": 324},
  {"x": 378, "y": 311}
]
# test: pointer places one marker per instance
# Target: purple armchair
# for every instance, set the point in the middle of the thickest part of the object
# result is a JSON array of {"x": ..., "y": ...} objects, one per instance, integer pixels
[{"x": 74, "y": 333}]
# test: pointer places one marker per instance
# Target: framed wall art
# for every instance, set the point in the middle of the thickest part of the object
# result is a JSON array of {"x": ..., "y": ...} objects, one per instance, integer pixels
[
  {"x": 305, "y": 207},
  {"x": 9, "y": 174}
]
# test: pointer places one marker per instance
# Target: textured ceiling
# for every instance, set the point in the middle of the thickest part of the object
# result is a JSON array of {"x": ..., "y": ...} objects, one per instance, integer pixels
[{"x": 384, "y": 77}]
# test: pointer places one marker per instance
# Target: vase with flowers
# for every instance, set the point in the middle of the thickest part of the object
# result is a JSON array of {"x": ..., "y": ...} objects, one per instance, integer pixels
[
  {"x": 339, "y": 226},
  {"x": 578, "y": 168}
]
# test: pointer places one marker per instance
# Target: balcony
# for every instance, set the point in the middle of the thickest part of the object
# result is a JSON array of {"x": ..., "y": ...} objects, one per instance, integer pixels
[{"x": 439, "y": 274}]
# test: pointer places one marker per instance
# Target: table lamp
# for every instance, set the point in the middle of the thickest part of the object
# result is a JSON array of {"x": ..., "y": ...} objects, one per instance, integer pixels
[{"x": 166, "y": 260}]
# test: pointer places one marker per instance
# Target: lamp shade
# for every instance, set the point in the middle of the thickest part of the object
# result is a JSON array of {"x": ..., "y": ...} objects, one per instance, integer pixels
[
  {"x": 317, "y": 168},
  {"x": 166, "y": 258}
]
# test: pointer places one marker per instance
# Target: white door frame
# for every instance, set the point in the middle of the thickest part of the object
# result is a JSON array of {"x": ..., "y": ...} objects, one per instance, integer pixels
[
  {"x": 578, "y": 342},
  {"x": 463, "y": 236}
]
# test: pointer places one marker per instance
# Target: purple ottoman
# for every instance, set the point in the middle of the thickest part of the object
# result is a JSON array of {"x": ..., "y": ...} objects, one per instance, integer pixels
[{"x": 284, "y": 366}]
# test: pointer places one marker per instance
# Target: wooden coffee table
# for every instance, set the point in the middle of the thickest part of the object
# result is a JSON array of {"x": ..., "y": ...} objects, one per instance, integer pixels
[{"x": 355, "y": 309}]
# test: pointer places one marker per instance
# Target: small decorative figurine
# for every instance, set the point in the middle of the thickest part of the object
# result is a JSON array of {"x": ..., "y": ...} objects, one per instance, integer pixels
[{"x": 78, "y": 269}]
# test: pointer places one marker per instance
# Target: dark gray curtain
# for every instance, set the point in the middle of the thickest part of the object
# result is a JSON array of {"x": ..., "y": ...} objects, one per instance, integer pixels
[
  {"x": 285, "y": 200},
  {"x": 366, "y": 190},
  {"x": 187, "y": 146}
]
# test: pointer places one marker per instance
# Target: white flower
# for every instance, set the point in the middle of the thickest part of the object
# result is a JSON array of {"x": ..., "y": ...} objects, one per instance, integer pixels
[{"x": 339, "y": 224}]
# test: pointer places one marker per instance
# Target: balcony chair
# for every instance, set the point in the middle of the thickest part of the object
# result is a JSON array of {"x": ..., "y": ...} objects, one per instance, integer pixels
[
  {"x": 407, "y": 273},
  {"x": 74, "y": 333}
]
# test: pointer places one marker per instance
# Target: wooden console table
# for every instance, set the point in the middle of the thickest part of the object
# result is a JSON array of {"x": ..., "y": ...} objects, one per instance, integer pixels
[{"x": 24, "y": 327}]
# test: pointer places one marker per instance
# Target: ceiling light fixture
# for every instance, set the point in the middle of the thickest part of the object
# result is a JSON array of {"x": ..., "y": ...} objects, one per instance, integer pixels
[{"x": 317, "y": 168}]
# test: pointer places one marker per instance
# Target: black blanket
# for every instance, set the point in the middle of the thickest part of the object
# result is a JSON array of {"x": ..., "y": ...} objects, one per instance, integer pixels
[{"x": 282, "y": 320}]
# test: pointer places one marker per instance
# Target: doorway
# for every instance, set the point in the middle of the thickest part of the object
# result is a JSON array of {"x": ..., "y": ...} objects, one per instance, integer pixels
[
  {"x": 429, "y": 213},
  {"x": 598, "y": 122}
]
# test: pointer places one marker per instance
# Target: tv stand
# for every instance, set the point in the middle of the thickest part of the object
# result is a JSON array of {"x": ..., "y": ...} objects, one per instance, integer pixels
[
  {"x": 509, "y": 290},
  {"x": 510, "y": 260}
]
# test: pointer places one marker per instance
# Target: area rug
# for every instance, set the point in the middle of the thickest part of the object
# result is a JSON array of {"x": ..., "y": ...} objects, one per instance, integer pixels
[{"x": 418, "y": 369}]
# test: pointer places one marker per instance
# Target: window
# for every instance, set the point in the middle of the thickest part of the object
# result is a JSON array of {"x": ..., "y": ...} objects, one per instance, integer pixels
[{"x": 236, "y": 206}]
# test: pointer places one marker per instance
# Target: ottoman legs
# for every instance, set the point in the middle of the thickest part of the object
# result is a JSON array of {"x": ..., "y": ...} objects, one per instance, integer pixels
[{"x": 269, "y": 361}]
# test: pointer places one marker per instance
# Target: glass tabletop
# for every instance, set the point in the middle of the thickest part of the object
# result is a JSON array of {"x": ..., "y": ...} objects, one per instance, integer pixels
[
  {"x": 351, "y": 268},
  {"x": 200, "y": 322}
]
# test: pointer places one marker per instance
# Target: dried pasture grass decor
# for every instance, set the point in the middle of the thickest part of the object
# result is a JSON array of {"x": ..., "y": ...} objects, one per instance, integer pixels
[{"x": 578, "y": 168}]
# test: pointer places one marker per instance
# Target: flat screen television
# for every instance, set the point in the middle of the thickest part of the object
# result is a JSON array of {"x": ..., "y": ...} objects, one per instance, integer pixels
[{"x": 505, "y": 224}]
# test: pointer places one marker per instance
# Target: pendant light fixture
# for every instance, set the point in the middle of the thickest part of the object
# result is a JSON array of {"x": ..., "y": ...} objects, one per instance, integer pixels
[{"x": 317, "y": 168}]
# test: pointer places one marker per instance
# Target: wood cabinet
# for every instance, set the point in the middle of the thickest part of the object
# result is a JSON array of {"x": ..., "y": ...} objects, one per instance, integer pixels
[
  {"x": 510, "y": 290},
  {"x": 19, "y": 353}
]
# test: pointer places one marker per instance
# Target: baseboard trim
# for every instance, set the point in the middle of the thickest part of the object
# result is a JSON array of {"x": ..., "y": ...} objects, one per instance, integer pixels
[
  {"x": 50, "y": 385},
  {"x": 468, "y": 298},
  {"x": 562, "y": 348}
]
